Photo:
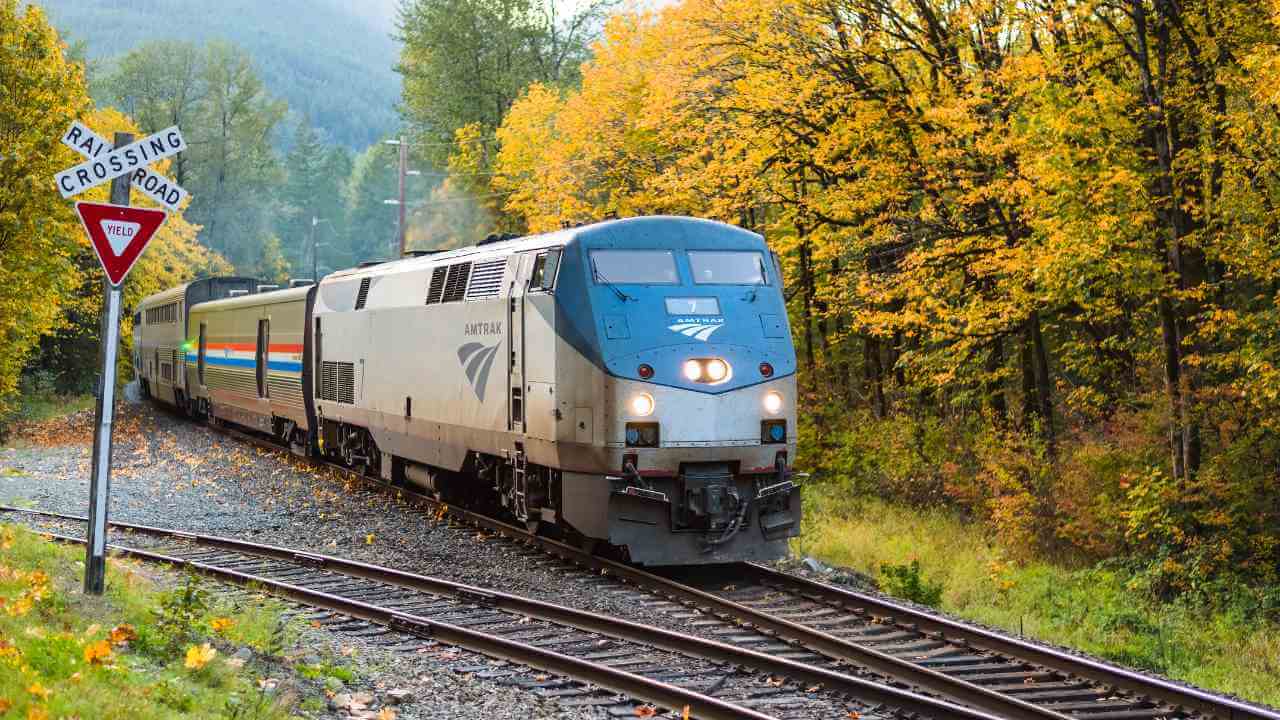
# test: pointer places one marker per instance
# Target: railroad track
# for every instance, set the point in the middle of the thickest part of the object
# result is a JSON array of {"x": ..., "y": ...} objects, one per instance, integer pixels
[
  {"x": 913, "y": 649},
  {"x": 597, "y": 657},
  {"x": 1058, "y": 680}
]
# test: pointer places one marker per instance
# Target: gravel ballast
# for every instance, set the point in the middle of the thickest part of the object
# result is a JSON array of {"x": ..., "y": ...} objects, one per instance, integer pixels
[{"x": 171, "y": 472}]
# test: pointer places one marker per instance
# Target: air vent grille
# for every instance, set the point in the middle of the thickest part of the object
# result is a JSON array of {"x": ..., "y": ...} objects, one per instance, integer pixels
[
  {"x": 363, "y": 295},
  {"x": 486, "y": 279},
  {"x": 338, "y": 382},
  {"x": 436, "y": 289},
  {"x": 456, "y": 286}
]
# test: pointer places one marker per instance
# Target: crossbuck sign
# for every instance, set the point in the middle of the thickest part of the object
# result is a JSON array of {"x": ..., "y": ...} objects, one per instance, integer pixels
[
  {"x": 118, "y": 233},
  {"x": 102, "y": 167},
  {"x": 91, "y": 145}
]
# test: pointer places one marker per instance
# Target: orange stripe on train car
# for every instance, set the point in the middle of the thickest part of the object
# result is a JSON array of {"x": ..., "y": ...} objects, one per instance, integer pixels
[{"x": 253, "y": 347}]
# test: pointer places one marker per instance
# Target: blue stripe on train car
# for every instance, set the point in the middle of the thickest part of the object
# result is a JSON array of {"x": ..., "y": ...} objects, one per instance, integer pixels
[{"x": 282, "y": 365}]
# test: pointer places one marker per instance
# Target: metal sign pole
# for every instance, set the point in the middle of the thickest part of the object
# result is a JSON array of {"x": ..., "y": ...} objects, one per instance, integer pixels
[{"x": 95, "y": 565}]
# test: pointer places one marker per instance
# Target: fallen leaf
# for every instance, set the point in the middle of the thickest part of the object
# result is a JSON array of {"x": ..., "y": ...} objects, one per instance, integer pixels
[
  {"x": 5, "y": 703},
  {"x": 97, "y": 653},
  {"x": 814, "y": 688},
  {"x": 854, "y": 715},
  {"x": 386, "y": 713},
  {"x": 122, "y": 634},
  {"x": 199, "y": 656},
  {"x": 368, "y": 539},
  {"x": 646, "y": 711}
]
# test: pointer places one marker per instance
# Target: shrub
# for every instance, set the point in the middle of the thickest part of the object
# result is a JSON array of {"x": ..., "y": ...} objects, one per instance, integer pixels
[{"x": 906, "y": 581}]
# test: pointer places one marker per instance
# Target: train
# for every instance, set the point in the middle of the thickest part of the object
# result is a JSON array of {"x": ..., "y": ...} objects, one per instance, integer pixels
[{"x": 628, "y": 384}]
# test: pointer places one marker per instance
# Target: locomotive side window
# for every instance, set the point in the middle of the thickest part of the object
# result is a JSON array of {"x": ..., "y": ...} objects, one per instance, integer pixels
[
  {"x": 539, "y": 270},
  {"x": 643, "y": 267},
  {"x": 722, "y": 267},
  {"x": 551, "y": 263},
  {"x": 543, "y": 277}
]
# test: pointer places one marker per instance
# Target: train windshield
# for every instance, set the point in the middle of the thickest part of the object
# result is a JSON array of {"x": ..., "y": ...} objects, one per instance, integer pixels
[
  {"x": 727, "y": 268},
  {"x": 645, "y": 267}
]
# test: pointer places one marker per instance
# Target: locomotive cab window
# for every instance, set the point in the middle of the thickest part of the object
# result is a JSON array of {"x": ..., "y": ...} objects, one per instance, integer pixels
[
  {"x": 543, "y": 276},
  {"x": 639, "y": 267},
  {"x": 724, "y": 267}
]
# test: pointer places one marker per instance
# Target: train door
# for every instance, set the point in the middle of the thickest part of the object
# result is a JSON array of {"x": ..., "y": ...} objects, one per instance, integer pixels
[
  {"x": 541, "y": 405},
  {"x": 263, "y": 356},
  {"x": 515, "y": 341}
]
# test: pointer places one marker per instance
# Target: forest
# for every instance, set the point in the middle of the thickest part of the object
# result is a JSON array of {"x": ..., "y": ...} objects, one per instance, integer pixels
[
  {"x": 1029, "y": 245},
  {"x": 332, "y": 64}
]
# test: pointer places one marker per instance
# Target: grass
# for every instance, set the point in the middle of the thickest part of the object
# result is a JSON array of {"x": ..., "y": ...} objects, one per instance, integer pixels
[
  {"x": 139, "y": 652},
  {"x": 1096, "y": 609}
]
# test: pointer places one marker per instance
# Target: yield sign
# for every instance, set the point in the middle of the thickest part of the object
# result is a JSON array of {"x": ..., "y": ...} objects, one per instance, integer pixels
[{"x": 119, "y": 234}]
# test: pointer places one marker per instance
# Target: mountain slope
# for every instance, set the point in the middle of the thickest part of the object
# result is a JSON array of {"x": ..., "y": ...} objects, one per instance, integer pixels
[{"x": 331, "y": 64}]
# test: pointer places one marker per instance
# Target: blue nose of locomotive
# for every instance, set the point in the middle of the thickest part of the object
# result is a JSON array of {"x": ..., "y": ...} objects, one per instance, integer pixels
[{"x": 682, "y": 302}]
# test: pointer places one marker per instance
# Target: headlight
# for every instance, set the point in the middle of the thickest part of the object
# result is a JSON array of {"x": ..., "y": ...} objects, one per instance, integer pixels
[
  {"x": 716, "y": 370},
  {"x": 773, "y": 402},
  {"x": 642, "y": 404},
  {"x": 706, "y": 370},
  {"x": 692, "y": 370}
]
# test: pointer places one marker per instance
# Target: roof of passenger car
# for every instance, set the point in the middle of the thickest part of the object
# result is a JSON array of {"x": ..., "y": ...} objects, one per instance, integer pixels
[{"x": 269, "y": 297}]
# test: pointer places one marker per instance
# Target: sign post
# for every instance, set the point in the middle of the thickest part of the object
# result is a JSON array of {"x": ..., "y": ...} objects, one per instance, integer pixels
[
  {"x": 118, "y": 234},
  {"x": 95, "y": 562}
]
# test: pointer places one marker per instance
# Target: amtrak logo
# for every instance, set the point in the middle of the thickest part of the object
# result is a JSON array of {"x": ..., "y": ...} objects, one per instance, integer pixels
[
  {"x": 477, "y": 360},
  {"x": 700, "y": 329}
]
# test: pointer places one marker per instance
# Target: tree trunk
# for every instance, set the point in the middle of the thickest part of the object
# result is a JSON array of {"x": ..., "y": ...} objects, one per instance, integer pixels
[
  {"x": 806, "y": 294},
  {"x": 1044, "y": 389},
  {"x": 874, "y": 369},
  {"x": 995, "y": 390}
]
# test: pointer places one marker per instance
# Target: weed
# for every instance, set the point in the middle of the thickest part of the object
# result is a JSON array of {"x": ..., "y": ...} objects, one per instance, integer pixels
[
  {"x": 178, "y": 619},
  {"x": 1107, "y": 609},
  {"x": 906, "y": 581}
]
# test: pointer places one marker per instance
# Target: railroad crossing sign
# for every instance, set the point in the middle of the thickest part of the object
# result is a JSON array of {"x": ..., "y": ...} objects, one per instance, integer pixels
[
  {"x": 119, "y": 234},
  {"x": 156, "y": 186},
  {"x": 100, "y": 168}
]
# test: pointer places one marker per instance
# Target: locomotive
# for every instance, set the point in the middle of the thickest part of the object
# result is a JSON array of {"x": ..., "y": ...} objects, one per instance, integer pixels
[{"x": 629, "y": 382}]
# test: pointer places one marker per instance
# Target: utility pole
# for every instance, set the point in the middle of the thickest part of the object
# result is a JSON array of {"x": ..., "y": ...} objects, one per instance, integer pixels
[
  {"x": 403, "y": 172},
  {"x": 315, "y": 246},
  {"x": 404, "y": 168},
  {"x": 95, "y": 562}
]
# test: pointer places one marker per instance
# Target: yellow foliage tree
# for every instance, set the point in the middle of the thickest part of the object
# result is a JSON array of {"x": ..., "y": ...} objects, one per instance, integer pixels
[{"x": 41, "y": 93}]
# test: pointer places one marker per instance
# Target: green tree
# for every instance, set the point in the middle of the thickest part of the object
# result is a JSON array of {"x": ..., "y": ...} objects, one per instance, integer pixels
[
  {"x": 234, "y": 169},
  {"x": 299, "y": 199},
  {"x": 160, "y": 84},
  {"x": 371, "y": 225},
  {"x": 466, "y": 61}
]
